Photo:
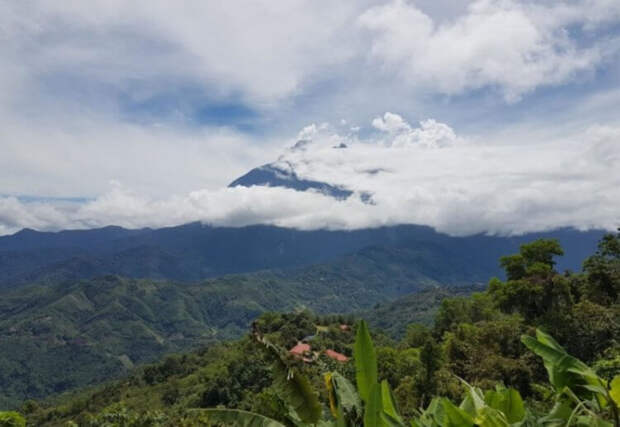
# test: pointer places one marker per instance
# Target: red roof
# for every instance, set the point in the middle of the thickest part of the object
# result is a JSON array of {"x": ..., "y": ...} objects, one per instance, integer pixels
[
  {"x": 336, "y": 356},
  {"x": 300, "y": 349}
]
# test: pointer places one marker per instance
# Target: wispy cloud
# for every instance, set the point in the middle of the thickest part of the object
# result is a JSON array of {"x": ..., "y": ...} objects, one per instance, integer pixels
[{"x": 421, "y": 175}]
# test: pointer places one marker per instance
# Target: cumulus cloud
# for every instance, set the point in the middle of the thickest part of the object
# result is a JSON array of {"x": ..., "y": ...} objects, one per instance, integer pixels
[
  {"x": 266, "y": 52},
  {"x": 468, "y": 186},
  {"x": 430, "y": 134},
  {"x": 513, "y": 45},
  {"x": 262, "y": 50},
  {"x": 111, "y": 90}
]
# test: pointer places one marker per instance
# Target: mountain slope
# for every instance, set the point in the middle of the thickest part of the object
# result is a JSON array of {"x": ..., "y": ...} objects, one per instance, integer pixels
[
  {"x": 195, "y": 251},
  {"x": 73, "y": 333},
  {"x": 94, "y": 329},
  {"x": 393, "y": 317},
  {"x": 273, "y": 176}
]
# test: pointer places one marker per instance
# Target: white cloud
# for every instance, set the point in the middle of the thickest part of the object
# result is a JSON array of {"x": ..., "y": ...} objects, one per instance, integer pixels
[
  {"x": 471, "y": 186},
  {"x": 430, "y": 134},
  {"x": 268, "y": 52},
  {"x": 515, "y": 46},
  {"x": 262, "y": 50},
  {"x": 392, "y": 123},
  {"x": 80, "y": 158},
  {"x": 69, "y": 71}
]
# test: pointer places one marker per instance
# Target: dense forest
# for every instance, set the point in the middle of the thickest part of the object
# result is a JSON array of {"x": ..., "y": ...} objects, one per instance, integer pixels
[
  {"x": 488, "y": 359},
  {"x": 94, "y": 330}
]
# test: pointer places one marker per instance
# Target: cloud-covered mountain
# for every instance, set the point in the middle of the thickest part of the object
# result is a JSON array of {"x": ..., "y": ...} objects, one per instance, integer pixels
[
  {"x": 176, "y": 99},
  {"x": 175, "y": 105},
  {"x": 314, "y": 145},
  {"x": 273, "y": 176},
  {"x": 335, "y": 178},
  {"x": 429, "y": 175}
]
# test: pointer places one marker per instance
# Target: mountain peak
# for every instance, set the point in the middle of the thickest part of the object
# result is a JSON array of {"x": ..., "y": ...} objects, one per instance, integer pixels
[{"x": 273, "y": 176}]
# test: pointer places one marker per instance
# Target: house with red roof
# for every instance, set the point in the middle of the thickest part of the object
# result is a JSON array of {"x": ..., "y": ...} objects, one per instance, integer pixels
[
  {"x": 302, "y": 351},
  {"x": 336, "y": 356}
]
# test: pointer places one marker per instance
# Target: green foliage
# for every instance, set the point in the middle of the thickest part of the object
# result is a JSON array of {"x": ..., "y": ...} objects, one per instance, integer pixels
[
  {"x": 12, "y": 419},
  {"x": 394, "y": 317},
  {"x": 514, "y": 266},
  {"x": 603, "y": 269},
  {"x": 417, "y": 335},
  {"x": 343, "y": 397},
  {"x": 541, "y": 251},
  {"x": 581, "y": 395},
  {"x": 508, "y": 402},
  {"x": 374, "y": 406},
  {"x": 470, "y": 368},
  {"x": 535, "y": 258},
  {"x": 365, "y": 362},
  {"x": 233, "y": 417},
  {"x": 431, "y": 360},
  {"x": 99, "y": 329}
]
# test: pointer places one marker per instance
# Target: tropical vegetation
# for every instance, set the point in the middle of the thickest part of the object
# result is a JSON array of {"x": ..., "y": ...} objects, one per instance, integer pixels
[{"x": 539, "y": 348}]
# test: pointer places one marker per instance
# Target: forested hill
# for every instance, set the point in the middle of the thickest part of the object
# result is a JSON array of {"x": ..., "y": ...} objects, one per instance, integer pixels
[
  {"x": 195, "y": 251},
  {"x": 479, "y": 364},
  {"x": 71, "y": 333}
]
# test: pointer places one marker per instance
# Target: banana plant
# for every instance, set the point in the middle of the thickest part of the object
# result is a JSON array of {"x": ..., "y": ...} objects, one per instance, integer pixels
[
  {"x": 379, "y": 405},
  {"x": 582, "y": 397},
  {"x": 501, "y": 407},
  {"x": 294, "y": 388},
  {"x": 371, "y": 404}
]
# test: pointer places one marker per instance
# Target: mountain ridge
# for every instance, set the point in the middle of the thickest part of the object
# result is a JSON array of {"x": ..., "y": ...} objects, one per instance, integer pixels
[{"x": 194, "y": 251}]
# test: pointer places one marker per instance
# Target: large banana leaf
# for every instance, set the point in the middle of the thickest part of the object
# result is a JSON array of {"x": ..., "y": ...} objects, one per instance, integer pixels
[
  {"x": 483, "y": 414},
  {"x": 565, "y": 371},
  {"x": 365, "y": 362},
  {"x": 559, "y": 414},
  {"x": 426, "y": 418},
  {"x": 389, "y": 406},
  {"x": 294, "y": 388},
  {"x": 453, "y": 416},
  {"x": 342, "y": 395},
  {"x": 507, "y": 401},
  {"x": 473, "y": 402},
  {"x": 441, "y": 412},
  {"x": 489, "y": 417},
  {"x": 374, "y": 407}
]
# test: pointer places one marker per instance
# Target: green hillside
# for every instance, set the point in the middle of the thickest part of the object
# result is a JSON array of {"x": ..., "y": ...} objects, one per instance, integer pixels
[
  {"x": 70, "y": 334},
  {"x": 475, "y": 343},
  {"x": 394, "y": 317}
]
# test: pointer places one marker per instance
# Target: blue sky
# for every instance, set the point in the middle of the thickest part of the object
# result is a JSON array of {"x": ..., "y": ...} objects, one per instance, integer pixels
[{"x": 163, "y": 100}]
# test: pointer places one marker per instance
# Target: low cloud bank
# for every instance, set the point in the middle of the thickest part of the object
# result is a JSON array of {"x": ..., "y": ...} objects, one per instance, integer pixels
[{"x": 414, "y": 175}]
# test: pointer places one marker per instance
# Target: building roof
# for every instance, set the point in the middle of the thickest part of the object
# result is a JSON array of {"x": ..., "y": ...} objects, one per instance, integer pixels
[
  {"x": 336, "y": 356},
  {"x": 300, "y": 349}
]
